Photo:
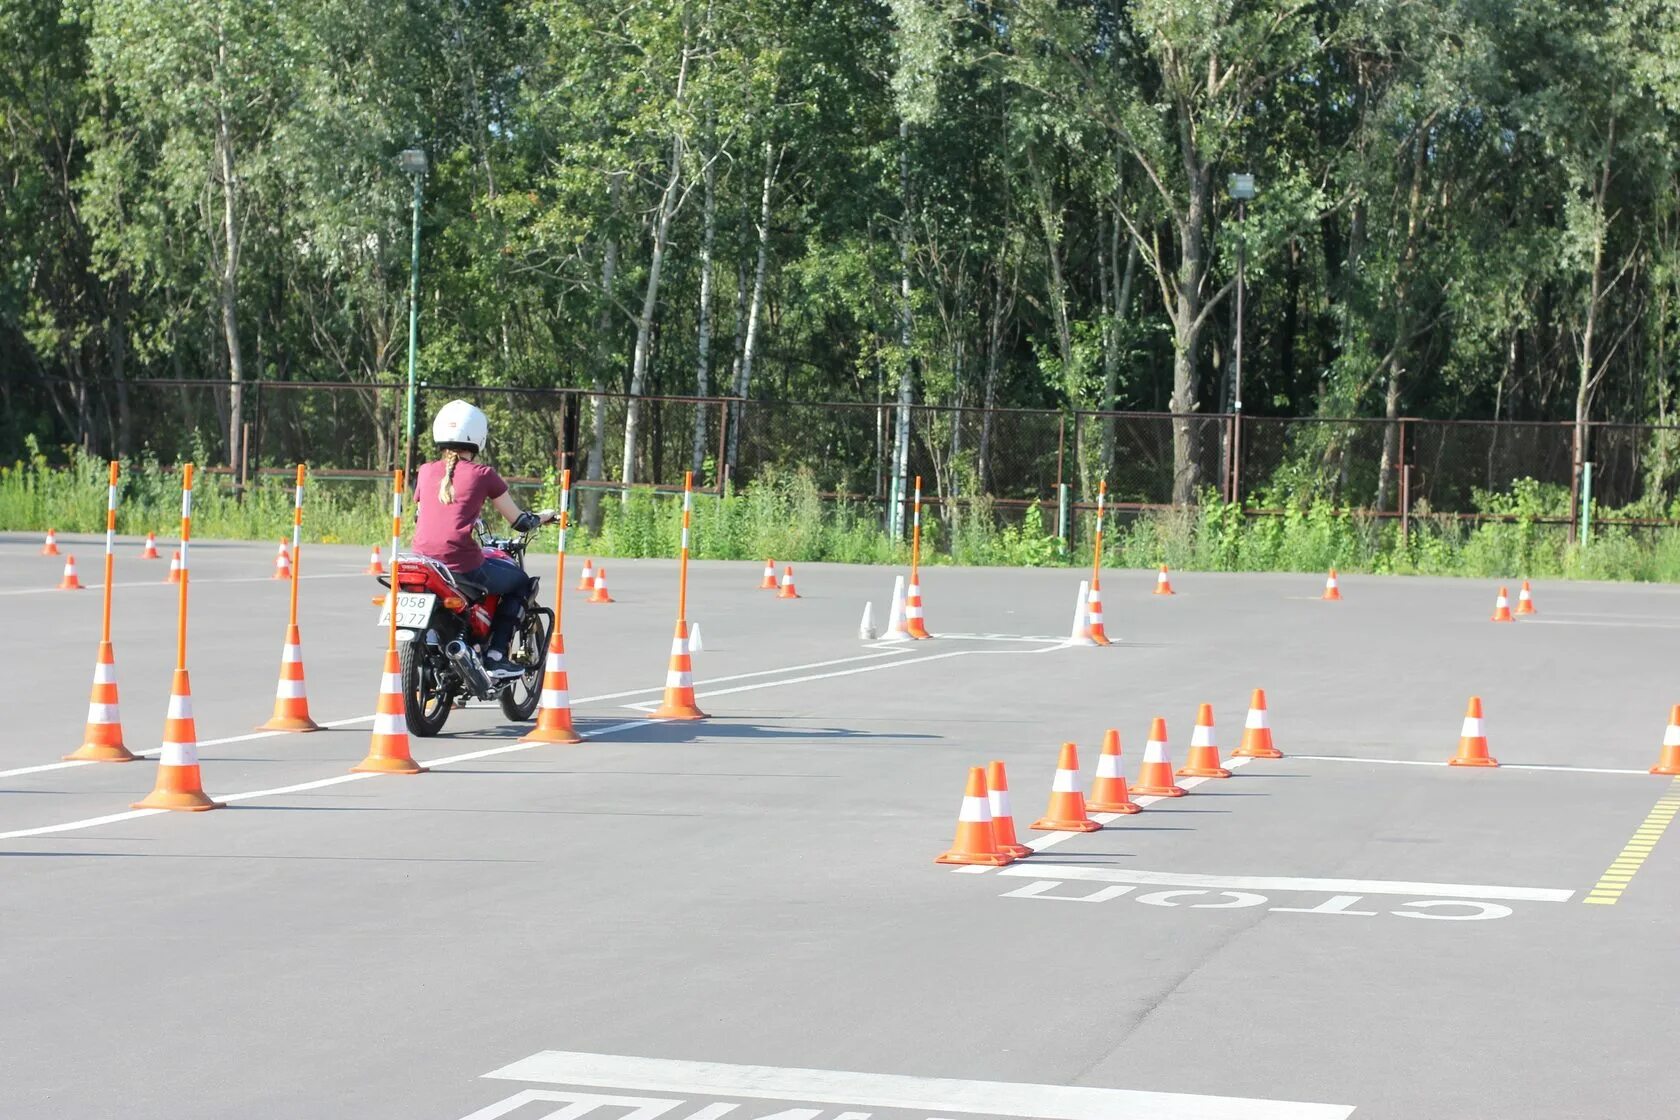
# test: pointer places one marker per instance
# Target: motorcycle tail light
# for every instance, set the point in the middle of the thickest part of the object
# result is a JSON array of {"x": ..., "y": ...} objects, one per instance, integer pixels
[{"x": 454, "y": 602}]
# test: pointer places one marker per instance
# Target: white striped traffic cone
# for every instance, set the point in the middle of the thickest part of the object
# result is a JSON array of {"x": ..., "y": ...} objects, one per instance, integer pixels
[
  {"x": 102, "y": 739},
  {"x": 1203, "y": 759},
  {"x": 1155, "y": 779},
  {"x": 976, "y": 842},
  {"x": 679, "y": 681},
  {"x": 1257, "y": 730},
  {"x": 554, "y": 708},
  {"x": 150, "y": 552},
  {"x": 914, "y": 622},
  {"x": 1094, "y": 616},
  {"x": 586, "y": 582},
  {"x": 1066, "y": 812},
  {"x": 376, "y": 563},
  {"x": 180, "y": 786},
  {"x": 282, "y": 563},
  {"x": 291, "y": 704},
  {"x": 388, "y": 751}
]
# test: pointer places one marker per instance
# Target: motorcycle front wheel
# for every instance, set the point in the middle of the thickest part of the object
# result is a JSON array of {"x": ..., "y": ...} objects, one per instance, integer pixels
[
  {"x": 528, "y": 650},
  {"x": 426, "y": 696}
]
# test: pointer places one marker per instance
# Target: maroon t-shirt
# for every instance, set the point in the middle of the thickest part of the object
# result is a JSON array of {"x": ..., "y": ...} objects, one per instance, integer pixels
[{"x": 444, "y": 532}]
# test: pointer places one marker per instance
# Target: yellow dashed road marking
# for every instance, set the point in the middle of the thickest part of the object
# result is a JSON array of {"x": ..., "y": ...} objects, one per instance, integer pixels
[{"x": 1622, "y": 869}]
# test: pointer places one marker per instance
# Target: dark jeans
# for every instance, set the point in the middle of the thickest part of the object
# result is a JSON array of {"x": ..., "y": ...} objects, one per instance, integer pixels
[{"x": 503, "y": 578}]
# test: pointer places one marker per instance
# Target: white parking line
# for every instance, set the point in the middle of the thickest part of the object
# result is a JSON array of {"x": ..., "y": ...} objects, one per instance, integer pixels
[
  {"x": 885, "y": 1090},
  {"x": 1286, "y": 883}
]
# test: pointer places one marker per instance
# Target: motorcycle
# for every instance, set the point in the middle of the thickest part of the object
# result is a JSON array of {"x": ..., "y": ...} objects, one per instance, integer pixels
[{"x": 443, "y": 628}]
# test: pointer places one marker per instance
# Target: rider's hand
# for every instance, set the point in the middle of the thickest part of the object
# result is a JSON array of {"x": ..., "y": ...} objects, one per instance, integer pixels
[{"x": 547, "y": 516}]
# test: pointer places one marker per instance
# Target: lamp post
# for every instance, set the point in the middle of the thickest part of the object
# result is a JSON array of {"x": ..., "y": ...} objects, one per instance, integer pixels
[
  {"x": 1241, "y": 187},
  {"x": 413, "y": 161}
]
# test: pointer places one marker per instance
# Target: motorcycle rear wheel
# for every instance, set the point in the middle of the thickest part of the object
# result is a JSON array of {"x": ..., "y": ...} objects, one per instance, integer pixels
[
  {"x": 426, "y": 697},
  {"x": 529, "y": 650}
]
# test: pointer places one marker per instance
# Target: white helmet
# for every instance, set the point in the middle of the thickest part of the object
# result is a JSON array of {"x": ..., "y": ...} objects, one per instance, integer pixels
[{"x": 460, "y": 422}]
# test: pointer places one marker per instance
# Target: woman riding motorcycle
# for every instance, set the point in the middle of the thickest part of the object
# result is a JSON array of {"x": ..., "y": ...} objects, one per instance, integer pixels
[{"x": 450, "y": 493}]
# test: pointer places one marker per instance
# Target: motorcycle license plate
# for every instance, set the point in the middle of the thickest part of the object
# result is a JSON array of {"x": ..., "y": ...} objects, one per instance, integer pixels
[{"x": 414, "y": 610}]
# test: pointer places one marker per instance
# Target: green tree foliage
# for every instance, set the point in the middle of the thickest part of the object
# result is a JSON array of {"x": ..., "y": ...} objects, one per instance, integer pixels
[{"x": 1466, "y": 208}]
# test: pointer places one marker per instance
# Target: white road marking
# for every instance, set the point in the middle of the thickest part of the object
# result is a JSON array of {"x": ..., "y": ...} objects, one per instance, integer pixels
[
  {"x": 197, "y": 580},
  {"x": 882, "y": 1090},
  {"x": 1612, "y": 625},
  {"x": 1502, "y": 765},
  {"x": 1286, "y": 883},
  {"x": 158, "y": 750},
  {"x": 1051, "y": 839}
]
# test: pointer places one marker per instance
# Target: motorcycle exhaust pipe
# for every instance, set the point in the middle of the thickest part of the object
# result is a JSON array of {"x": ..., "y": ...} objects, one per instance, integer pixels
[{"x": 466, "y": 663}]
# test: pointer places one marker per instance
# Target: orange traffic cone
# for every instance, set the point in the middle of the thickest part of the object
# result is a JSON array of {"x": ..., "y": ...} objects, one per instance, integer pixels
[
  {"x": 1108, "y": 792},
  {"x": 1332, "y": 589},
  {"x": 50, "y": 547},
  {"x": 975, "y": 842},
  {"x": 1257, "y": 730},
  {"x": 376, "y": 563},
  {"x": 102, "y": 740},
  {"x": 1502, "y": 607},
  {"x": 788, "y": 591},
  {"x": 174, "y": 575},
  {"x": 1094, "y": 616},
  {"x": 1525, "y": 601},
  {"x": 768, "y": 583},
  {"x": 1067, "y": 805},
  {"x": 1669, "y": 761},
  {"x": 1163, "y": 585},
  {"x": 388, "y": 752},
  {"x": 600, "y": 595},
  {"x": 554, "y": 709},
  {"x": 914, "y": 623},
  {"x": 291, "y": 705},
  {"x": 1156, "y": 779},
  {"x": 1003, "y": 817},
  {"x": 150, "y": 552},
  {"x": 1472, "y": 740},
  {"x": 679, "y": 681},
  {"x": 282, "y": 563},
  {"x": 179, "y": 785},
  {"x": 586, "y": 582},
  {"x": 1203, "y": 760},
  {"x": 69, "y": 582}
]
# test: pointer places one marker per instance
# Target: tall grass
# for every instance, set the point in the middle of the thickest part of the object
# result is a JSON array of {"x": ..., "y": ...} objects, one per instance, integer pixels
[{"x": 782, "y": 515}]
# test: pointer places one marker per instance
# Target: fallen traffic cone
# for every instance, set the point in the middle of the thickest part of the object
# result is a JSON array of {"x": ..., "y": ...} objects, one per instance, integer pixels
[
  {"x": 554, "y": 709},
  {"x": 1502, "y": 607},
  {"x": 976, "y": 842},
  {"x": 1094, "y": 616},
  {"x": 174, "y": 575},
  {"x": 282, "y": 563},
  {"x": 179, "y": 785},
  {"x": 1669, "y": 761},
  {"x": 1067, "y": 805},
  {"x": 1525, "y": 601},
  {"x": 1203, "y": 760},
  {"x": 1257, "y": 730},
  {"x": 1003, "y": 817},
  {"x": 1156, "y": 779},
  {"x": 768, "y": 583},
  {"x": 50, "y": 547},
  {"x": 1472, "y": 740},
  {"x": 1163, "y": 586},
  {"x": 788, "y": 591},
  {"x": 69, "y": 582},
  {"x": 1332, "y": 589},
  {"x": 376, "y": 563},
  {"x": 586, "y": 582},
  {"x": 102, "y": 739},
  {"x": 1108, "y": 791},
  {"x": 914, "y": 624},
  {"x": 600, "y": 595},
  {"x": 291, "y": 705},
  {"x": 150, "y": 552},
  {"x": 679, "y": 681},
  {"x": 388, "y": 750}
]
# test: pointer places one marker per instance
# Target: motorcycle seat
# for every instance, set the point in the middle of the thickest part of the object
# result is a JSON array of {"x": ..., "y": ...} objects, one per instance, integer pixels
[{"x": 474, "y": 591}]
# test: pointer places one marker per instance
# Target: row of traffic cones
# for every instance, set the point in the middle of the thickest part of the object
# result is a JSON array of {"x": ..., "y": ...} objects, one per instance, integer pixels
[
  {"x": 149, "y": 552},
  {"x": 985, "y": 823}
]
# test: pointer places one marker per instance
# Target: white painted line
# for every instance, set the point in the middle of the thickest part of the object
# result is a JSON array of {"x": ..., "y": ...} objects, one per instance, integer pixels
[
  {"x": 1612, "y": 625},
  {"x": 1287, "y": 883},
  {"x": 1051, "y": 839},
  {"x": 885, "y": 1090},
  {"x": 159, "y": 750},
  {"x": 1502, "y": 765}
]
